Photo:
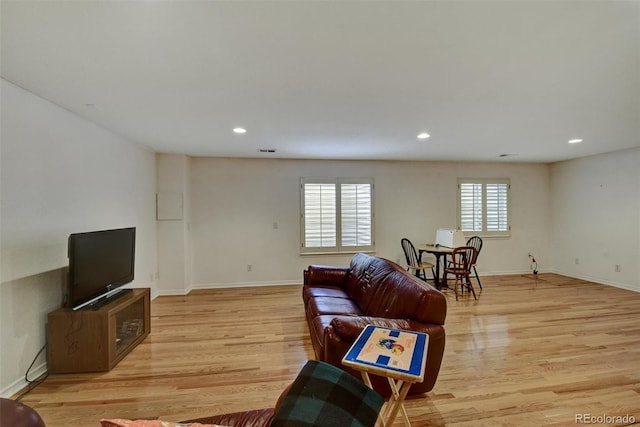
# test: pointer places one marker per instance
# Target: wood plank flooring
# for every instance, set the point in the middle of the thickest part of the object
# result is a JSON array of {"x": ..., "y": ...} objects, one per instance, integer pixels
[{"x": 526, "y": 353}]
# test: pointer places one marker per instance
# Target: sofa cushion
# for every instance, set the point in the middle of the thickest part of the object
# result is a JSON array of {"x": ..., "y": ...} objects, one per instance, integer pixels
[
  {"x": 315, "y": 291},
  {"x": 329, "y": 305},
  {"x": 325, "y": 396}
]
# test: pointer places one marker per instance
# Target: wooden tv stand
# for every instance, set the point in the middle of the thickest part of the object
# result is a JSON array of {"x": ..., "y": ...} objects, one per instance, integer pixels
[{"x": 89, "y": 340}]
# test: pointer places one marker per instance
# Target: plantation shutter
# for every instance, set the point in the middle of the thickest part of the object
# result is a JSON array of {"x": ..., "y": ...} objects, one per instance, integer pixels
[
  {"x": 471, "y": 207},
  {"x": 497, "y": 207},
  {"x": 336, "y": 215},
  {"x": 320, "y": 215},
  {"x": 483, "y": 206},
  {"x": 356, "y": 214}
]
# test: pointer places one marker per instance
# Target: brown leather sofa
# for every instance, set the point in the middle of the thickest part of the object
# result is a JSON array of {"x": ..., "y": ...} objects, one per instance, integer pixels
[{"x": 340, "y": 302}]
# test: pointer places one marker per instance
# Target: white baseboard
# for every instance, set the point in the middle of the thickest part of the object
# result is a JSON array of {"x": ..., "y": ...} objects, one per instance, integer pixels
[
  {"x": 171, "y": 292},
  {"x": 507, "y": 273},
  {"x": 600, "y": 281},
  {"x": 20, "y": 384},
  {"x": 244, "y": 284},
  {"x": 180, "y": 292}
]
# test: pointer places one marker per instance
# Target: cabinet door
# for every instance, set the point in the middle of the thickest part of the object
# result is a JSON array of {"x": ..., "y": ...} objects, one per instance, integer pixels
[{"x": 129, "y": 325}]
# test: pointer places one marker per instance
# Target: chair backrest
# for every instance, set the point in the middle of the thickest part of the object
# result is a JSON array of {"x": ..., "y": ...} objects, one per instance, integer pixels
[
  {"x": 409, "y": 252},
  {"x": 463, "y": 257},
  {"x": 476, "y": 242}
]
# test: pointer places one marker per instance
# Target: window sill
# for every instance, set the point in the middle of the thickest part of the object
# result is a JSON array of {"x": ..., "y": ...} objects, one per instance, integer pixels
[
  {"x": 487, "y": 236},
  {"x": 371, "y": 251}
]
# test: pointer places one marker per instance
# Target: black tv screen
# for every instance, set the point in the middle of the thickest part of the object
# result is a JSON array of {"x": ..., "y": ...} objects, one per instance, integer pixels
[{"x": 99, "y": 262}]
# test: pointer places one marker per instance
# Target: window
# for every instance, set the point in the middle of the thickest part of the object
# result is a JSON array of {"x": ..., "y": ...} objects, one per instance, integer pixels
[
  {"x": 483, "y": 206},
  {"x": 336, "y": 215}
]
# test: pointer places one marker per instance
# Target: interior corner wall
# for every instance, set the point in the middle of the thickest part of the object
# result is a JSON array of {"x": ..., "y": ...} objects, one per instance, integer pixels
[
  {"x": 596, "y": 218},
  {"x": 246, "y": 212},
  {"x": 60, "y": 174},
  {"x": 174, "y": 236}
]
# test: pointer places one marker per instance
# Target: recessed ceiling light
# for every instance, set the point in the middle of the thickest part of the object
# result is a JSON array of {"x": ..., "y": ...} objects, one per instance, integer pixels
[
  {"x": 239, "y": 130},
  {"x": 575, "y": 141},
  {"x": 423, "y": 135}
]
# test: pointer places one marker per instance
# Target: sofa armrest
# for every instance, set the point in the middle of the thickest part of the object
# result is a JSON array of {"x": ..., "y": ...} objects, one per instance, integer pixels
[
  {"x": 316, "y": 275},
  {"x": 254, "y": 418}
]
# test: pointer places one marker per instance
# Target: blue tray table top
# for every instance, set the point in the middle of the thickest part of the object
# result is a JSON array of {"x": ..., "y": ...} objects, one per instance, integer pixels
[{"x": 389, "y": 352}]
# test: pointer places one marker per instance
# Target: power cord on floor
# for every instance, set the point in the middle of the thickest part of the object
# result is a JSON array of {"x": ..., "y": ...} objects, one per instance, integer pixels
[
  {"x": 533, "y": 264},
  {"x": 35, "y": 382}
]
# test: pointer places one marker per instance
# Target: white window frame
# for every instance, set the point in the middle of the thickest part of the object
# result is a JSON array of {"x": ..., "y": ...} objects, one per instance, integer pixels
[
  {"x": 482, "y": 229},
  {"x": 338, "y": 248}
]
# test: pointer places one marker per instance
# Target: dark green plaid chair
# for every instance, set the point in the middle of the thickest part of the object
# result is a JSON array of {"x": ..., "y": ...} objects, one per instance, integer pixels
[{"x": 325, "y": 396}]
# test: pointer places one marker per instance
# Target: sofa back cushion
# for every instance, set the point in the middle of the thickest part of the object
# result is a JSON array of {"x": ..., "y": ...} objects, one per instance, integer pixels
[
  {"x": 365, "y": 275},
  {"x": 382, "y": 288}
]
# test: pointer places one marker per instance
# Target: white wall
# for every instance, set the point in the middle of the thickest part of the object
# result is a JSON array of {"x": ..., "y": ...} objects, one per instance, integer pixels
[
  {"x": 235, "y": 203},
  {"x": 596, "y": 218},
  {"x": 60, "y": 174},
  {"x": 174, "y": 236}
]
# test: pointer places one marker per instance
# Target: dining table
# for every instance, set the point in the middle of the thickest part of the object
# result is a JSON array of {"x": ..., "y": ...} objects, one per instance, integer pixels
[{"x": 440, "y": 252}]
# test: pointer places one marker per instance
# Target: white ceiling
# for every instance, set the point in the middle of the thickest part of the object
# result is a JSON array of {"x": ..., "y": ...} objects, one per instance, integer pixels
[{"x": 339, "y": 79}]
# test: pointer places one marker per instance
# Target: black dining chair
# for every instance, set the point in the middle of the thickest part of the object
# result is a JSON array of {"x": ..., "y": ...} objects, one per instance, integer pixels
[
  {"x": 476, "y": 242},
  {"x": 414, "y": 264}
]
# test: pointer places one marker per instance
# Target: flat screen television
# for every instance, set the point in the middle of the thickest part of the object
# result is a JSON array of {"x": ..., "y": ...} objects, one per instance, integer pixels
[{"x": 99, "y": 263}]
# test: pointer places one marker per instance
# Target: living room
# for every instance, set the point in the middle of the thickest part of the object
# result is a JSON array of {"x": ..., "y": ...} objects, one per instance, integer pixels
[{"x": 63, "y": 173}]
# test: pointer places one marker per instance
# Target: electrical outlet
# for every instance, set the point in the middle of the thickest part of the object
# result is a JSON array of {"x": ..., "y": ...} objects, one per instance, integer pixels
[
  {"x": 249, "y": 267},
  {"x": 577, "y": 261},
  {"x": 616, "y": 268}
]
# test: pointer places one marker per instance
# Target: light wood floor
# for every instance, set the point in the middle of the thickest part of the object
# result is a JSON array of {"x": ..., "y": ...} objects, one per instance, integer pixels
[{"x": 527, "y": 353}]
